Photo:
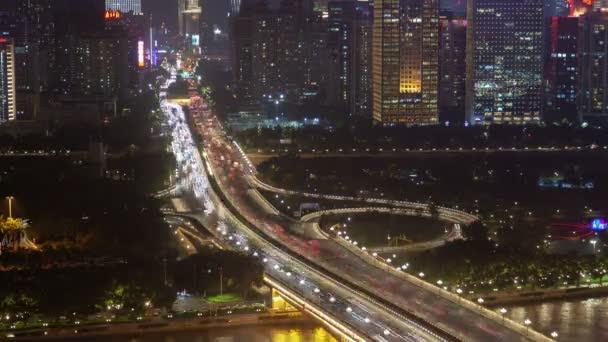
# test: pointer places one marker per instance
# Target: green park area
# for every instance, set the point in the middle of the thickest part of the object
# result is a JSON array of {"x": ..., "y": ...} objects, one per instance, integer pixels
[
  {"x": 225, "y": 298},
  {"x": 377, "y": 229},
  {"x": 516, "y": 195}
]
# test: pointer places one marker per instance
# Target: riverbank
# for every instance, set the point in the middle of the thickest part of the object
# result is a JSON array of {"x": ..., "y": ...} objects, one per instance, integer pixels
[
  {"x": 157, "y": 326},
  {"x": 522, "y": 297}
]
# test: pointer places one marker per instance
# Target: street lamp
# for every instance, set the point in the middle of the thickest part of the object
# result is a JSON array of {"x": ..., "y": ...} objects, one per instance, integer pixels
[
  {"x": 459, "y": 291},
  {"x": 554, "y": 334},
  {"x": 10, "y": 206},
  {"x": 480, "y": 302},
  {"x": 503, "y": 311},
  {"x": 527, "y": 322},
  {"x": 593, "y": 242}
]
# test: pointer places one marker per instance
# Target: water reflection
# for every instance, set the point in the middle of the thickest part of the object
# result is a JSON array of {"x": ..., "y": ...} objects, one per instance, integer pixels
[
  {"x": 283, "y": 333},
  {"x": 574, "y": 320}
]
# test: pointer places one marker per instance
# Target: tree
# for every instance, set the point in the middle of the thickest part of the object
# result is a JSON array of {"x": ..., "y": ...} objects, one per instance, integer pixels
[{"x": 476, "y": 231}]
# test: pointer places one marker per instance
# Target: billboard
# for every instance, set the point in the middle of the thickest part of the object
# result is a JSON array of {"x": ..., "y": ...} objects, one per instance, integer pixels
[
  {"x": 196, "y": 40},
  {"x": 140, "y": 54}
]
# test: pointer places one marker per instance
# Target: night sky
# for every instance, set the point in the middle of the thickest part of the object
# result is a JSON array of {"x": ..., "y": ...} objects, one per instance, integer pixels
[{"x": 162, "y": 10}]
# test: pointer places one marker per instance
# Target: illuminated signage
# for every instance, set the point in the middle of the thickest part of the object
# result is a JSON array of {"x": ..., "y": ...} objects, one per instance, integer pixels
[
  {"x": 3, "y": 40},
  {"x": 112, "y": 15},
  {"x": 140, "y": 54},
  {"x": 599, "y": 224},
  {"x": 196, "y": 39}
]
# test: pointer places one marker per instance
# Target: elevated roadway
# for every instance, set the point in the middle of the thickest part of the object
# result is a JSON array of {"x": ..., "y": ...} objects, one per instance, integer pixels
[
  {"x": 403, "y": 309},
  {"x": 348, "y": 312}
]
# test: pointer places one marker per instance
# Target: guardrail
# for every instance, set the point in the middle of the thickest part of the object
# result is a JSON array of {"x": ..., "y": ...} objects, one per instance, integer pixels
[
  {"x": 407, "y": 211},
  {"x": 463, "y": 216},
  {"x": 532, "y": 334},
  {"x": 301, "y": 303},
  {"x": 233, "y": 215},
  {"x": 165, "y": 192}
]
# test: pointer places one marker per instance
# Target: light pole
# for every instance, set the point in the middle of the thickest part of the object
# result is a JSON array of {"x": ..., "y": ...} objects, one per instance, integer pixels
[
  {"x": 10, "y": 206},
  {"x": 593, "y": 242},
  {"x": 554, "y": 335},
  {"x": 221, "y": 281},
  {"x": 459, "y": 291},
  {"x": 480, "y": 301},
  {"x": 527, "y": 322},
  {"x": 503, "y": 311}
]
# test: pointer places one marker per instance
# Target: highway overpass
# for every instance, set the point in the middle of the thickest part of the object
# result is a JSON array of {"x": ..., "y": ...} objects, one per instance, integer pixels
[{"x": 346, "y": 287}]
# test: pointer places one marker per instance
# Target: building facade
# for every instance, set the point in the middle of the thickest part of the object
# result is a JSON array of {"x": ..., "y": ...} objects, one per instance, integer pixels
[
  {"x": 562, "y": 73},
  {"x": 8, "y": 104},
  {"x": 189, "y": 16},
  {"x": 349, "y": 47},
  {"x": 504, "y": 61},
  {"x": 592, "y": 97},
  {"x": 452, "y": 61},
  {"x": 275, "y": 52},
  {"x": 124, "y": 6},
  {"x": 405, "y": 62}
]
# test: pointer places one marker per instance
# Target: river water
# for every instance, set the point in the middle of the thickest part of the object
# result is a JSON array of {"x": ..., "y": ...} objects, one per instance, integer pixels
[
  {"x": 580, "y": 320},
  {"x": 279, "y": 333}
]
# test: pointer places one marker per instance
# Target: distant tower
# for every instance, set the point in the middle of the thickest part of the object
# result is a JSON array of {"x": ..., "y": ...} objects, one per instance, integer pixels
[
  {"x": 189, "y": 14},
  {"x": 7, "y": 80},
  {"x": 124, "y": 6}
]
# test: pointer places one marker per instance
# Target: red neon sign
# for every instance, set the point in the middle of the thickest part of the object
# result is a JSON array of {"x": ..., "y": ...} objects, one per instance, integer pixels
[{"x": 112, "y": 15}]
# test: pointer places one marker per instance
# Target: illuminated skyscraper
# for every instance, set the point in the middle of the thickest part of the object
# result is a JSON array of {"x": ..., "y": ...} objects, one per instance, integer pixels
[
  {"x": 124, "y": 6},
  {"x": 592, "y": 97},
  {"x": 8, "y": 106},
  {"x": 504, "y": 61},
  {"x": 349, "y": 44},
  {"x": 189, "y": 16},
  {"x": 452, "y": 59},
  {"x": 562, "y": 73},
  {"x": 405, "y": 61}
]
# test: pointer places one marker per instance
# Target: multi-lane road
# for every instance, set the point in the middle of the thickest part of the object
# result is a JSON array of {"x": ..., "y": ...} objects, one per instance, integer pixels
[
  {"x": 374, "y": 303},
  {"x": 366, "y": 319}
]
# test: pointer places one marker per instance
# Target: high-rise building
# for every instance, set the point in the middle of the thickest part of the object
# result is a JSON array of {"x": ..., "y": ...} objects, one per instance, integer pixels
[
  {"x": 452, "y": 61},
  {"x": 8, "y": 105},
  {"x": 504, "y": 61},
  {"x": 361, "y": 79},
  {"x": 562, "y": 75},
  {"x": 124, "y": 6},
  {"x": 189, "y": 15},
  {"x": 349, "y": 44},
  {"x": 27, "y": 60},
  {"x": 39, "y": 42},
  {"x": 455, "y": 7},
  {"x": 105, "y": 61},
  {"x": 600, "y": 4},
  {"x": 405, "y": 61},
  {"x": 592, "y": 97},
  {"x": 556, "y": 8},
  {"x": 272, "y": 51}
]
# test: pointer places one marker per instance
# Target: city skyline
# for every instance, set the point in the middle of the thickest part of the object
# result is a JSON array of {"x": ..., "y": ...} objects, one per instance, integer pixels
[{"x": 387, "y": 170}]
